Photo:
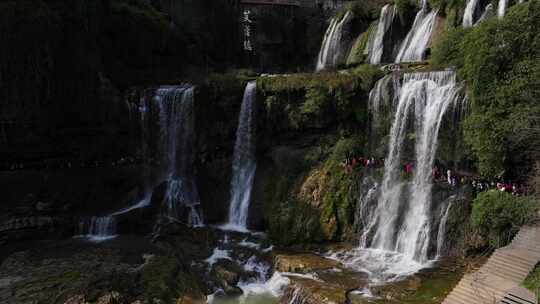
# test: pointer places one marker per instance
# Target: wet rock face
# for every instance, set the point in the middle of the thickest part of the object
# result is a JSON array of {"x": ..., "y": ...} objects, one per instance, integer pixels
[
  {"x": 121, "y": 271},
  {"x": 226, "y": 274},
  {"x": 49, "y": 203},
  {"x": 302, "y": 262}
]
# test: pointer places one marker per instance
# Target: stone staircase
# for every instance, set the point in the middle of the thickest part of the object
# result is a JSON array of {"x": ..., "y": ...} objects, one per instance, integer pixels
[{"x": 498, "y": 280}]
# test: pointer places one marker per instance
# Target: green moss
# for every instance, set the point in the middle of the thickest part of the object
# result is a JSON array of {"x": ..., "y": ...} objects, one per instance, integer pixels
[
  {"x": 433, "y": 287},
  {"x": 163, "y": 279},
  {"x": 329, "y": 81},
  {"x": 356, "y": 56}
]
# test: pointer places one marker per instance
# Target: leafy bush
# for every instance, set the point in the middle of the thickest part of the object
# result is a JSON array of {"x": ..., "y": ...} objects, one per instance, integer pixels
[
  {"x": 499, "y": 215},
  {"x": 450, "y": 49},
  {"x": 500, "y": 61},
  {"x": 345, "y": 147}
]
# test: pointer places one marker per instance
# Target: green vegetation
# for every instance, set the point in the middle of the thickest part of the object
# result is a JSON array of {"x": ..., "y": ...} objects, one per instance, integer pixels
[
  {"x": 500, "y": 62},
  {"x": 310, "y": 196},
  {"x": 499, "y": 215},
  {"x": 532, "y": 282},
  {"x": 356, "y": 56}
]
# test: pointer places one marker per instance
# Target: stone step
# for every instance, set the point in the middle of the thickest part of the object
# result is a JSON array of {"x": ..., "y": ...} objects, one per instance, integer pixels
[
  {"x": 514, "y": 257},
  {"x": 483, "y": 289},
  {"x": 505, "y": 262},
  {"x": 499, "y": 278},
  {"x": 516, "y": 278},
  {"x": 503, "y": 266},
  {"x": 476, "y": 295}
]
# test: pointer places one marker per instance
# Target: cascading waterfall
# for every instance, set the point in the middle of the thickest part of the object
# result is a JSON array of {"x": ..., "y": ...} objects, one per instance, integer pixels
[
  {"x": 333, "y": 51},
  {"x": 176, "y": 124},
  {"x": 413, "y": 48},
  {"x": 401, "y": 222},
  {"x": 501, "y": 8},
  {"x": 244, "y": 164},
  {"x": 98, "y": 229},
  {"x": 376, "y": 45},
  {"x": 470, "y": 10},
  {"x": 383, "y": 94}
]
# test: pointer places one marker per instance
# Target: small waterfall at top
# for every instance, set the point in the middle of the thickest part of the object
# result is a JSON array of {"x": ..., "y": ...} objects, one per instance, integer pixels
[
  {"x": 501, "y": 8},
  {"x": 381, "y": 100},
  {"x": 413, "y": 48},
  {"x": 98, "y": 229},
  {"x": 401, "y": 220},
  {"x": 176, "y": 124},
  {"x": 333, "y": 50},
  {"x": 489, "y": 11},
  {"x": 244, "y": 164},
  {"x": 376, "y": 42},
  {"x": 470, "y": 10}
]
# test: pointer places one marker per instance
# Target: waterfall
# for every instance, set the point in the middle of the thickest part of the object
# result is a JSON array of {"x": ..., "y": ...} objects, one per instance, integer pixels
[
  {"x": 382, "y": 99},
  {"x": 488, "y": 12},
  {"x": 98, "y": 229},
  {"x": 470, "y": 10},
  {"x": 333, "y": 50},
  {"x": 376, "y": 45},
  {"x": 442, "y": 230},
  {"x": 501, "y": 8},
  {"x": 383, "y": 95},
  {"x": 414, "y": 46},
  {"x": 401, "y": 221},
  {"x": 176, "y": 128},
  {"x": 244, "y": 164},
  {"x": 297, "y": 296}
]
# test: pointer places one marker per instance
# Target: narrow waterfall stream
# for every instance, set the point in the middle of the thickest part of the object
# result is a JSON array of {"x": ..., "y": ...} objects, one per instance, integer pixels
[
  {"x": 501, "y": 8},
  {"x": 470, "y": 11},
  {"x": 97, "y": 229},
  {"x": 244, "y": 164},
  {"x": 413, "y": 48},
  {"x": 376, "y": 45},
  {"x": 176, "y": 123},
  {"x": 488, "y": 12},
  {"x": 396, "y": 238},
  {"x": 333, "y": 49}
]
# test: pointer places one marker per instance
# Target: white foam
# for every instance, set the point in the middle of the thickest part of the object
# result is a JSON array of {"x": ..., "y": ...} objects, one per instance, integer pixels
[
  {"x": 380, "y": 265},
  {"x": 248, "y": 244},
  {"x": 217, "y": 255},
  {"x": 95, "y": 238},
  {"x": 308, "y": 276},
  {"x": 141, "y": 204},
  {"x": 364, "y": 292},
  {"x": 234, "y": 228},
  {"x": 274, "y": 287}
]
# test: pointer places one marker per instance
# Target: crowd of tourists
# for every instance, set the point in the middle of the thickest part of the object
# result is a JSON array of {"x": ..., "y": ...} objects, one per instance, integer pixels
[
  {"x": 442, "y": 175},
  {"x": 352, "y": 162}
]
